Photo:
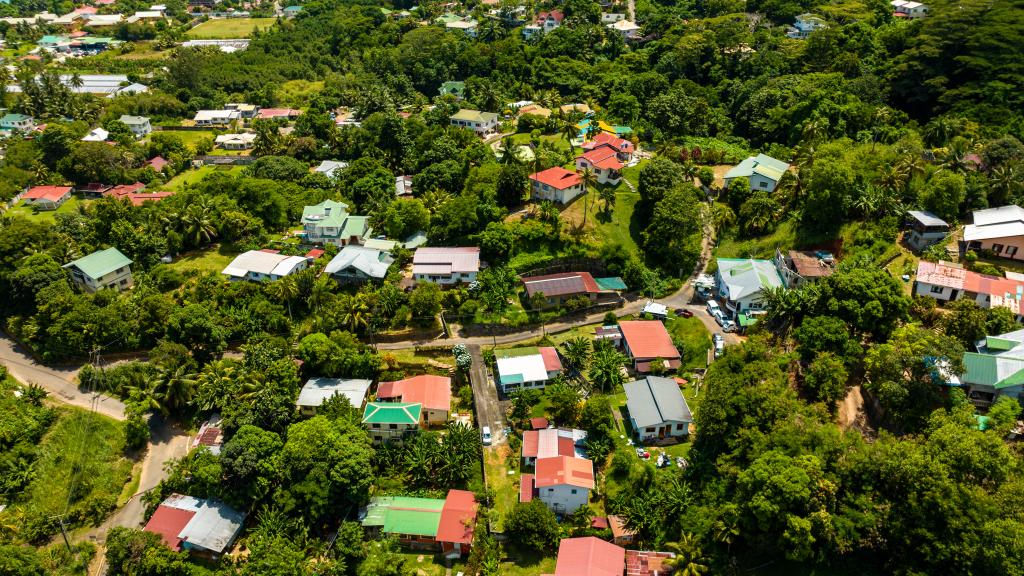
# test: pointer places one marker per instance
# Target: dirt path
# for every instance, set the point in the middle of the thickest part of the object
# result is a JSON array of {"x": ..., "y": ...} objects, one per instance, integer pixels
[{"x": 851, "y": 408}]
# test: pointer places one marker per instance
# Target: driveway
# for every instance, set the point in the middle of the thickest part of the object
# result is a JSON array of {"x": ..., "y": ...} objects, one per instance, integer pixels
[
  {"x": 485, "y": 397},
  {"x": 59, "y": 381}
]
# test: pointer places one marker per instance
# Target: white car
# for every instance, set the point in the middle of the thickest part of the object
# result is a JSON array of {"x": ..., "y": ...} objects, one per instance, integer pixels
[
  {"x": 485, "y": 433},
  {"x": 713, "y": 308},
  {"x": 719, "y": 342}
]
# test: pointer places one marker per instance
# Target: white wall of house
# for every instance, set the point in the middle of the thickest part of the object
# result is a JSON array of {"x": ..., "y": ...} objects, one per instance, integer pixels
[
  {"x": 564, "y": 499},
  {"x": 120, "y": 279},
  {"x": 453, "y": 278},
  {"x": 1011, "y": 247},
  {"x": 604, "y": 175},
  {"x": 541, "y": 191},
  {"x": 674, "y": 429},
  {"x": 390, "y": 432},
  {"x": 940, "y": 293}
]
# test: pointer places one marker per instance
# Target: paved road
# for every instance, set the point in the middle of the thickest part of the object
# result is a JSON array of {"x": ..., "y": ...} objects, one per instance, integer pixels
[
  {"x": 58, "y": 381},
  {"x": 485, "y": 397}
]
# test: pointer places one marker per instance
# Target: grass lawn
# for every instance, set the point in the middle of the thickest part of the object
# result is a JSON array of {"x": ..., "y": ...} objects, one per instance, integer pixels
[
  {"x": 426, "y": 564},
  {"x": 784, "y": 236},
  {"x": 556, "y": 139},
  {"x": 297, "y": 93},
  {"x": 224, "y": 28},
  {"x": 192, "y": 176},
  {"x": 81, "y": 467},
  {"x": 48, "y": 216},
  {"x": 695, "y": 338},
  {"x": 213, "y": 259},
  {"x": 144, "y": 50},
  {"x": 504, "y": 485},
  {"x": 189, "y": 137},
  {"x": 520, "y": 564}
]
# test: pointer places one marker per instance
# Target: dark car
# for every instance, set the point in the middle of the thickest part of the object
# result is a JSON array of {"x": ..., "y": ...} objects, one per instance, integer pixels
[{"x": 684, "y": 313}]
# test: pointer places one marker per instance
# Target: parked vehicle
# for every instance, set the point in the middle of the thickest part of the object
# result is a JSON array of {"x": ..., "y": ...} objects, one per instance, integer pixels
[
  {"x": 684, "y": 313},
  {"x": 485, "y": 433},
  {"x": 719, "y": 342},
  {"x": 726, "y": 324},
  {"x": 713, "y": 308}
]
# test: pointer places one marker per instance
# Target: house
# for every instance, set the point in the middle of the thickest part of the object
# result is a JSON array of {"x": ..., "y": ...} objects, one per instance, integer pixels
[
  {"x": 1000, "y": 230},
  {"x": 804, "y": 25},
  {"x": 46, "y": 197},
  {"x": 330, "y": 168},
  {"x": 454, "y": 88},
  {"x": 907, "y": 9},
  {"x": 243, "y": 141},
  {"x": 467, "y": 26},
  {"x": 101, "y": 269},
  {"x": 800, "y": 267},
  {"x": 556, "y": 184},
  {"x": 612, "y": 334},
  {"x": 995, "y": 368},
  {"x": 563, "y": 483},
  {"x": 551, "y": 442},
  {"x": 647, "y": 341},
  {"x": 157, "y": 163},
  {"x": 482, "y": 123},
  {"x": 621, "y": 535},
  {"x": 135, "y": 193},
  {"x": 589, "y": 556},
  {"x": 762, "y": 172},
  {"x": 318, "y": 390},
  {"x": 216, "y": 117},
  {"x": 655, "y": 310},
  {"x": 96, "y": 135},
  {"x": 225, "y": 45},
  {"x": 434, "y": 393},
  {"x": 623, "y": 148},
  {"x": 533, "y": 109},
  {"x": 945, "y": 282},
  {"x": 210, "y": 435},
  {"x": 612, "y": 17},
  {"x": 403, "y": 186},
  {"x": 139, "y": 125},
  {"x": 359, "y": 264},
  {"x": 657, "y": 409},
  {"x": 392, "y": 421},
  {"x": 545, "y": 23},
  {"x": 260, "y": 265},
  {"x": 244, "y": 110},
  {"x": 603, "y": 162},
  {"x": 925, "y": 229},
  {"x": 292, "y": 11},
  {"x": 446, "y": 265},
  {"x": 20, "y": 122},
  {"x": 557, "y": 289},
  {"x": 103, "y": 20},
  {"x": 627, "y": 28},
  {"x": 274, "y": 113},
  {"x": 330, "y": 223},
  {"x": 520, "y": 368},
  {"x": 742, "y": 282},
  {"x": 202, "y": 526},
  {"x": 424, "y": 523}
]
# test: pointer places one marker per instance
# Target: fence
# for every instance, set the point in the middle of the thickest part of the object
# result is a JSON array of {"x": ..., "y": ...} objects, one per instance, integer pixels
[{"x": 224, "y": 160}]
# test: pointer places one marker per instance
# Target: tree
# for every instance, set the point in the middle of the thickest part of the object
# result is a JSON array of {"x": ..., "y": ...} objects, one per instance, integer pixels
[
  {"x": 656, "y": 178},
  {"x": 825, "y": 379},
  {"x": 523, "y": 402},
  {"x": 497, "y": 286},
  {"x": 589, "y": 181},
  {"x": 533, "y": 526},
  {"x": 577, "y": 352},
  {"x": 966, "y": 321},
  {"x": 1000, "y": 320},
  {"x": 826, "y": 334},
  {"x": 132, "y": 552},
  {"x": 512, "y": 184},
  {"x": 830, "y": 190},
  {"x": 690, "y": 559},
  {"x": 606, "y": 367},
  {"x": 943, "y": 194},
  {"x": 251, "y": 461},
  {"x": 565, "y": 403},
  {"x": 759, "y": 213},
  {"x": 405, "y": 217},
  {"x": 672, "y": 239},
  {"x": 1004, "y": 414},
  {"x": 425, "y": 303},
  {"x": 196, "y": 327}
]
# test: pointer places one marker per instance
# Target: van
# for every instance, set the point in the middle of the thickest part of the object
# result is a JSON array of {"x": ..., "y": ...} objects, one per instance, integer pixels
[
  {"x": 713, "y": 308},
  {"x": 486, "y": 434}
]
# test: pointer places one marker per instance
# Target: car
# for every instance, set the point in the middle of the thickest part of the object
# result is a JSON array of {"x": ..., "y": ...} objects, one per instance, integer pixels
[
  {"x": 684, "y": 313},
  {"x": 713, "y": 308},
  {"x": 485, "y": 433},
  {"x": 719, "y": 342},
  {"x": 726, "y": 324}
]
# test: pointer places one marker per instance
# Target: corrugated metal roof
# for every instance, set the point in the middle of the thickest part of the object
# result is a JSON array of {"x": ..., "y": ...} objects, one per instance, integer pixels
[
  {"x": 317, "y": 390},
  {"x": 392, "y": 413},
  {"x": 655, "y": 400},
  {"x": 589, "y": 556},
  {"x": 100, "y": 263},
  {"x": 648, "y": 339},
  {"x": 457, "y": 518},
  {"x": 214, "y": 527}
]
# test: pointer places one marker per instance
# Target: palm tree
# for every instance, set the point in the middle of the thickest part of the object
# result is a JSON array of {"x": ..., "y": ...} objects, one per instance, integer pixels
[
  {"x": 569, "y": 128},
  {"x": 320, "y": 293},
  {"x": 577, "y": 352},
  {"x": 173, "y": 387},
  {"x": 284, "y": 290},
  {"x": 607, "y": 195},
  {"x": 1006, "y": 183},
  {"x": 606, "y": 367},
  {"x": 589, "y": 181},
  {"x": 690, "y": 559},
  {"x": 508, "y": 151},
  {"x": 356, "y": 313},
  {"x": 197, "y": 222}
]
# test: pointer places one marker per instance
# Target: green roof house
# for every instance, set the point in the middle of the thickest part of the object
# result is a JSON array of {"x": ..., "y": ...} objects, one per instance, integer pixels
[
  {"x": 445, "y": 525},
  {"x": 742, "y": 281},
  {"x": 17, "y": 122},
  {"x": 763, "y": 172},
  {"x": 292, "y": 11},
  {"x": 995, "y": 369},
  {"x": 392, "y": 421},
  {"x": 457, "y": 89},
  {"x": 330, "y": 223},
  {"x": 480, "y": 122},
  {"x": 102, "y": 269}
]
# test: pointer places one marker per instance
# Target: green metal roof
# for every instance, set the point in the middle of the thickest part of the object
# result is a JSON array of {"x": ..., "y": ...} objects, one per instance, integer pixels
[
  {"x": 1015, "y": 379},
  {"x": 997, "y": 343},
  {"x": 453, "y": 87},
  {"x": 746, "y": 320},
  {"x": 980, "y": 369},
  {"x": 512, "y": 379},
  {"x": 611, "y": 283},
  {"x": 99, "y": 264},
  {"x": 405, "y": 515},
  {"x": 328, "y": 213},
  {"x": 13, "y": 117},
  {"x": 355, "y": 226},
  {"x": 392, "y": 413}
]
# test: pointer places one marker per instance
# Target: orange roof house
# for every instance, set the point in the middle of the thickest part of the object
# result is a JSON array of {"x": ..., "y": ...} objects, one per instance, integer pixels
[
  {"x": 647, "y": 340},
  {"x": 433, "y": 392}
]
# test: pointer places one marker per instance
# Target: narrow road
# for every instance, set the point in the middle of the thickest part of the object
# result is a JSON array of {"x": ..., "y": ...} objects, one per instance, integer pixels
[
  {"x": 485, "y": 397},
  {"x": 58, "y": 381}
]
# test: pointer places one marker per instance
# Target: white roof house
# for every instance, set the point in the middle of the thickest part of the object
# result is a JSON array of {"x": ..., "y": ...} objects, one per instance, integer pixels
[
  {"x": 188, "y": 523},
  {"x": 330, "y": 168},
  {"x": 236, "y": 141},
  {"x": 354, "y": 261},
  {"x": 742, "y": 280},
  {"x": 260, "y": 265},
  {"x": 96, "y": 20},
  {"x": 1002, "y": 222},
  {"x": 627, "y": 28},
  {"x": 216, "y": 116},
  {"x": 526, "y": 367},
  {"x": 109, "y": 84},
  {"x": 96, "y": 135},
  {"x": 316, "y": 391},
  {"x": 437, "y": 263}
]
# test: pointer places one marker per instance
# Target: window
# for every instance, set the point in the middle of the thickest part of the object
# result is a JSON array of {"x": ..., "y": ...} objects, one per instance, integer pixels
[
  {"x": 550, "y": 490},
  {"x": 649, "y": 429},
  {"x": 393, "y": 426},
  {"x": 762, "y": 184},
  {"x": 680, "y": 426},
  {"x": 573, "y": 490},
  {"x": 376, "y": 426},
  {"x": 937, "y": 289},
  {"x": 1011, "y": 251},
  {"x": 997, "y": 248}
]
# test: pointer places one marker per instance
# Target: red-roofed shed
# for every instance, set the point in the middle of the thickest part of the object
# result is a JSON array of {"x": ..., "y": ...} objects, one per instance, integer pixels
[
  {"x": 168, "y": 522},
  {"x": 458, "y": 518},
  {"x": 47, "y": 197},
  {"x": 539, "y": 423},
  {"x": 526, "y": 487}
]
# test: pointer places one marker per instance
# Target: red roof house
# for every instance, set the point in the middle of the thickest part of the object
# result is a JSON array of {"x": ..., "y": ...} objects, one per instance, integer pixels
[
  {"x": 552, "y": 442},
  {"x": 604, "y": 162},
  {"x": 589, "y": 556},
  {"x": 168, "y": 522},
  {"x": 458, "y": 518},
  {"x": 564, "y": 483},
  {"x": 157, "y": 163},
  {"x": 268, "y": 113},
  {"x": 556, "y": 184},
  {"x": 526, "y": 488},
  {"x": 433, "y": 392},
  {"x": 47, "y": 197},
  {"x": 558, "y": 288},
  {"x": 647, "y": 340},
  {"x": 623, "y": 147},
  {"x": 539, "y": 423}
]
